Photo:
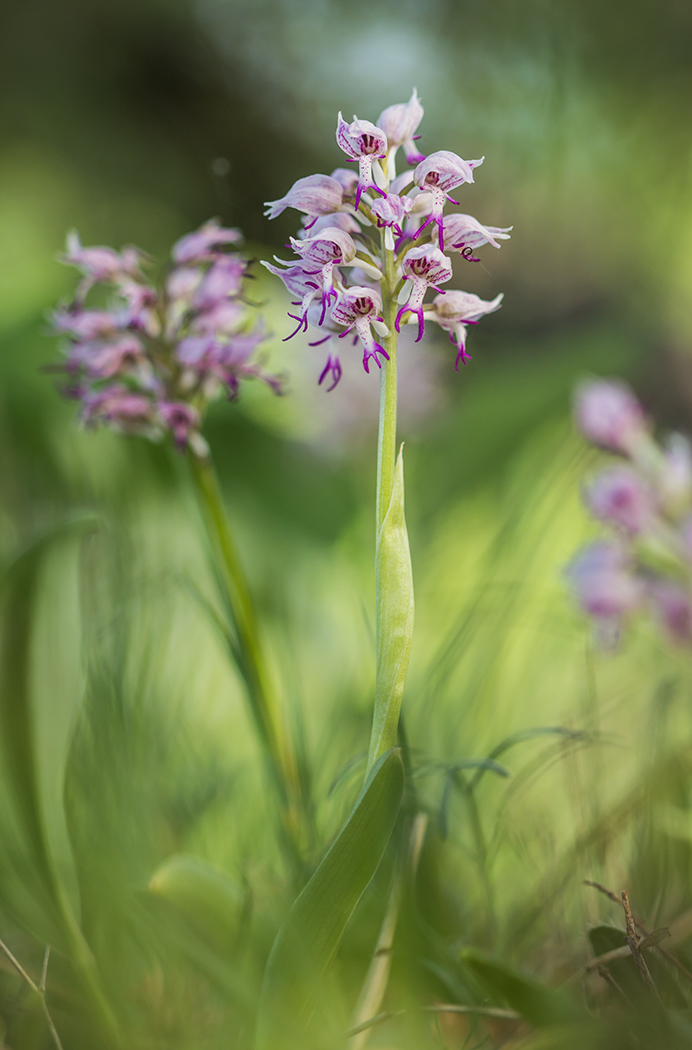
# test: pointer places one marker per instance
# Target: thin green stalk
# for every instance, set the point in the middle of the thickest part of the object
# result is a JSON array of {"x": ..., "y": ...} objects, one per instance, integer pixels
[
  {"x": 247, "y": 648},
  {"x": 386, "y": 437},
  {"x": 393, "y": 578}
]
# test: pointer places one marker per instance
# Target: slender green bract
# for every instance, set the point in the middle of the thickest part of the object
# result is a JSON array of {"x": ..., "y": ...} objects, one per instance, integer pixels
[{"x": 316, "y": 922}]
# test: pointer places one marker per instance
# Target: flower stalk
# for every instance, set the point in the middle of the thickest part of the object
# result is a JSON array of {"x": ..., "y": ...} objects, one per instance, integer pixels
[{"x": 247, "y": 651}]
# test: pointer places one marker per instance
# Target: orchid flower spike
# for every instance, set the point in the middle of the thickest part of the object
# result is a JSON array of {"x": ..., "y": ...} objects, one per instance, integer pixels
[
  {"x": 454, "y": 310},
  {"x": 440, "y": 173},
  {"x": 315, "y": 195},
  {"x": 425, "y": 267},
  {"x": 366, "y": 143},
  {"x": 360, "y": 308},
  {"x": 150, "y": 363},
  {"x": 400, "y": 123}
]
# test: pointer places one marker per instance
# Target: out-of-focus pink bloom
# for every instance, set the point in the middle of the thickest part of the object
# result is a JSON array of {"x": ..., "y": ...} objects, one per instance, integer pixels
[
  {"x": 222, "y": 318},
  {"x": 603, "y": 583},
  {"x": 89, "y": 324},
  {"x": 100, "y": 263},
  {"x": 619, "y": 497},
  {"x": 364, "y": 142},
  {"x": 105, "y": 360},
  {"x": 180, "y": 418},
  {"x": 315, "y": 195},
  {"x": 360, "y": 308},
  {"x": 674, "y": 608},
  {"x": 204, "y": 244},
  {"x": 400, "y": 124},
  {"x": 119, "y": 406},
  {"x": 224, "y": 278},
  {"x": 453, "y": 310},
  {"x": 440, "y": 173},
  {"x": 463, "y": 233},
  {"x": 608, "y": 414},
  {"x": 425, "y": 267}
]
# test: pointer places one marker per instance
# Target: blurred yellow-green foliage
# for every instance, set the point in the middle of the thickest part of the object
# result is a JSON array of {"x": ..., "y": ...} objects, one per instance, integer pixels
[{"x": 134, "y": 122}]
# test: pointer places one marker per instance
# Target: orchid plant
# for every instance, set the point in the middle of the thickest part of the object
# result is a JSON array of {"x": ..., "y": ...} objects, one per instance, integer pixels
[
  {"x": 644, "y": 498},
  {"x": 371, "y": 248},
  {"x": 150, "y": 363},
  {"x": 374, "y": 250}
]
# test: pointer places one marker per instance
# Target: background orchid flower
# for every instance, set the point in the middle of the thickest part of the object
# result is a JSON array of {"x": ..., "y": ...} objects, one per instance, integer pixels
[
  {"x": 150, "y": 364},
  {"x": 646, "y": 501},
  {"x": 204, "y": 244},
  {"x": 609, "y": 415},
  {"x": 364, "y": 142},
  {"x": 619, "y": 496},
  {"x": 315, "y": 195},
  {"x": 425, "y": 267},
  {"x": 100, "y": 263}
]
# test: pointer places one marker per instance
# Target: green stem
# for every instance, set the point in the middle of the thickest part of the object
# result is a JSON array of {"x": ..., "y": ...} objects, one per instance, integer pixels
[
  {"x": 247, "y": 650},
  {"x": 386, "y": 437},
  {"x": 393, "y": 581}
]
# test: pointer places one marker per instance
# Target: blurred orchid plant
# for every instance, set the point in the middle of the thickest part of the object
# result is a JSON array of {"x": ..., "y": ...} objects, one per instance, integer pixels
[
  {"x": 645, "y": 498},
  {"x": 150, "y": 363}
]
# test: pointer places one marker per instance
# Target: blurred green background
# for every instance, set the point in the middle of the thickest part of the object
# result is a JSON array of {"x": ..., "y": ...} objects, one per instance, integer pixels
[{"x": 134, "y": 122}]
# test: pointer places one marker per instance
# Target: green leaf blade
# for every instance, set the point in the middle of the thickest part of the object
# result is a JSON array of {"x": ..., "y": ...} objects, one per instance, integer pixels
[{"x": 315, "y": 925}]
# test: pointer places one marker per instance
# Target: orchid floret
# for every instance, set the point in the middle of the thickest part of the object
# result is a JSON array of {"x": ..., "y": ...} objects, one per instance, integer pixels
[
  {"x": 366, "y": 143},
  {"x": 400, "y": 124},
  {"x": 314, "y": 195},
  {"x": 425, "y": 267},
  {"x": 204, "y": 244}
]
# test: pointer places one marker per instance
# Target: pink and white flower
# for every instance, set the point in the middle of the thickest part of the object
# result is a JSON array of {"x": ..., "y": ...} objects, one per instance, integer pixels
[
  {"x": 364, "y": 142},
  {"x": 361, "y": 308},
  {"x": 425, "y": 267},
  {"x": 400, "y": 124},
  {"x": 440, "y": 173},
  {"x": 314, "y": 195},
  {"x": 454, "y": 310}
]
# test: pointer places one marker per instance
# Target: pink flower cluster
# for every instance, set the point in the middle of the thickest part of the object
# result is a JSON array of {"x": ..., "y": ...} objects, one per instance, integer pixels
[
  {"x": 335, "y": 283},
  {"x": 153, "y": 358},
  {"x": 645, "y": 498}
]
